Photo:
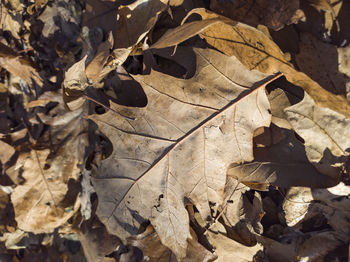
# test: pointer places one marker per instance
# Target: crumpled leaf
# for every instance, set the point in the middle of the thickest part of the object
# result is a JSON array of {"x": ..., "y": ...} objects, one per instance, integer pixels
[
  {"x": 95, "y": 67},
  {"x": 10, "y": 22},
  {"x": 59, "y": 18},
  {"x": 277, "y": 251},
  {"x": 302, "y": 205},
  {"x": 74, "y": 85},
  {"x": 273, "y": 14},
  {"x": 344, "y": 67},
  {"x": 152, "y": 248},
  {"x": 18, "y": 65},
  {"x": 48, "y": 196},
  {"x": 185, "y": 131},
  {"x": 38, "y": 202},
  {"x": 227, "y": 249},
  {"x": 328, "y": 76},
  {"x": 86, "y": 192},
  {"x": 129, "y": 23},
  {"x": 241, "y": 214},
  {"x": 97, "y": 243},
  {"x": 331, "y": 12},
  {"x": 322, "y": 129},
  {"x": 6, "y": 152},
  {"x": 283, "y": 164},
  {"x": 257, "y": 51}
]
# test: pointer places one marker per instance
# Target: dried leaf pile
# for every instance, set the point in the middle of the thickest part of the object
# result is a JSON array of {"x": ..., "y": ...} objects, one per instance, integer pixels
[{"x": 175, "y": 130}]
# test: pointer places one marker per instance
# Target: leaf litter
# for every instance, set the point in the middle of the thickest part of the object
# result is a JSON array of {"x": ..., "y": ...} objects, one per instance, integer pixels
[{"x": 156, "y": 130}]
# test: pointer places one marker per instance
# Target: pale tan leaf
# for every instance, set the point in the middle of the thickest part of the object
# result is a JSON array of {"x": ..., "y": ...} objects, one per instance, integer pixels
[
  {"x": 10, "y": 22},
  {"x": 184, "y": 32},
  {"x": 228, "y": 249},
  {"x": 186, "y": 137},
  {"x": 6, "y": 152},
  {"x": 37, "y": 202},
  {"x": 257, "y": 51},
  {"x": 74, "y": 84},
  {"x": 303, "y": 205},
  {"x": 18, "y": 65},
  {"x": 264, "y": 55},
  {"x": 283, "y": 164},
  {"x": 43, "y": 201},
  {"x": 154, "y": 251},
  {"x": 93, "y": 70},
  {"x": 322, "y": 129}
]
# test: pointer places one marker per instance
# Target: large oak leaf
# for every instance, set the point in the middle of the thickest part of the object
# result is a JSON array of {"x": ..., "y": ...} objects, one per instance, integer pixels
[
  {"x": 252, "y": 48},
  {"x": 178, "y": 147}
]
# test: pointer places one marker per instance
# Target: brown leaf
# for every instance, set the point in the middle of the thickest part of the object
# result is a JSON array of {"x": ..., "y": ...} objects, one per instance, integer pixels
[
  {"x": 273, "y": 14},
  {"x": 59, "y": 18},
  {"x": 37, "y": 202},
  {"x": 257, "y": 51},
  {"x": 312, "y": 58},
  {"x": 283, "y": 164},
  {"x": 10, "y": 22},
  {"x": 323, "y": 130},
  {"x": 325, "y": 6},
  {"x": 226, "y": 248},
  {"x": 327, "y": 206},
  {"x": 184, "y": 32},
  {"x": 95, "y": 67},
  {"x": 74, "y": 85},
  {"x": 6, "y": 152},
  {"x": 152, "y": 248},
  {"x": 18, "y": 65},
  {"x": 47, "y": 198},
  {"x": 97, "y": 243},
  {"x": 181, "y": 136},
  {"x": 129, "y": 23}
]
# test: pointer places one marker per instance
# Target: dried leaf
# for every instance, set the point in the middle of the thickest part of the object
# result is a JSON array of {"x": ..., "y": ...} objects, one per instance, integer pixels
[
  {"x": 184, "y": 32},
  {"x": 328, "y": 76},
  {"x": 303, "y": 205},
  {"x": 129, "y": 23},
  {"x": 283, "y": 164},
  {"x": 257, "y": 51},
  {"x": 74, "y": 85},
  {"x": 97, "y": 243},
  {"x": 273, "y": 14},
  {"x": 153, "y": 249},
  {"x": 48, "y": 196},
  {"x": 38, "y": 202},
  {"x": 184, "y": 131},
  {"x": 10, "y": 22},
  {"x": 18, "y": 65},
  {"x": 6, "y": 152},
  {"x": 86, "y": 192},
  {"x": 226, "y": 248},
  {"x": 325, "y": 6},
  {"x": 95, "y": 67},
  {"x": 59, "y": 18},
  {"x": 322, "y": 129}
]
